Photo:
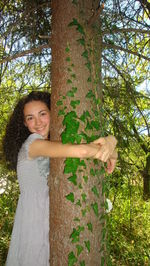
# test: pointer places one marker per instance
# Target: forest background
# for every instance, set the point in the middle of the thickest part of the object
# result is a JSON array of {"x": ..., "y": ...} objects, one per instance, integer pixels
[{"x": 25, "y": 65}]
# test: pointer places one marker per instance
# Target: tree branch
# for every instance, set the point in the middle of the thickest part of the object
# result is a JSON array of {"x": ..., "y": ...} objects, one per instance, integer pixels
[
  {"x": 26, "y": 14},
  {"x": 128, "y": 86},
  {"x": 95, "y": 15},
  {"x": 24, "y": 53},
  {"x": 112, "y": 46},
  {"x": 146, "y": 5},
  {"x": 117, "y": 30}
]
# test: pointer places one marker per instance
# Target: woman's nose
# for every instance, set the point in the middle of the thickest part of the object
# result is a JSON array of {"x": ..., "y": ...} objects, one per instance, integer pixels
[{"x": 37, "y": 121}]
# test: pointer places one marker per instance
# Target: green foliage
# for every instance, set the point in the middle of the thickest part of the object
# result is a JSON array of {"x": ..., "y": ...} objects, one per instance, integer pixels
[
  {"x": 95, "y": 208},
  {"x": 71, "y": 259},
  {"x": 87, "y": 245},
  {"x": 90, "y": 227},
  {"x": 129, "y": 225},
  {"x": 70, "y": 197},
  {"x": 75, "y": 236},
  {"x": 8, "y": 202},
  {"x": 79, "y": 249},
  {"x": 79, "y": 27},
  {"x": 82, "y": 263}
]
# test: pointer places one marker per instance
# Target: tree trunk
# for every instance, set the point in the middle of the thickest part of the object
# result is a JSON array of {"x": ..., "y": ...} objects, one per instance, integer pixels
[{"x": 75, "y": 185}]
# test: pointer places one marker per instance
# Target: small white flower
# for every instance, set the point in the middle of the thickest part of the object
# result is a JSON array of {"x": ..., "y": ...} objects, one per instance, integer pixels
[{"x": 110, "y": 206}]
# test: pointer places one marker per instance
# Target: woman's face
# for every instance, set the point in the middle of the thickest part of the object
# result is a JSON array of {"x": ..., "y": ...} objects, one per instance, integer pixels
[{"x": 37, "y": 118}]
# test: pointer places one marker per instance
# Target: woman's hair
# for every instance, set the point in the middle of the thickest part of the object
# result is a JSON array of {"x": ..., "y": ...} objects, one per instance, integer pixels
[{"x": 16, "y": 132}]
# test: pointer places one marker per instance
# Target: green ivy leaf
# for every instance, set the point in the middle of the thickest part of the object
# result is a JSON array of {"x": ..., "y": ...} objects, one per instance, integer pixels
[
  {"x": 95, "y": 124},
  {"x": 78, "y": 203},
  {"x": 76, "y": 219},
  {"x": 73, "y": 76},
  {"x": 88, "y": 65},
  {"x": 95, "y": 191},
  {"x": 74, "y": 89},
  {"x": 92, "y": 172},
  {"x": 80, "y": 29},
  {"x": 67, "y": 49},
  {"x": 95, "y": 208},
  {"x": 76, "y": 234},
  {"x": 59, "y": 103},
  {"x": 70, "y": 197},
  {"x": 79, "y": 249},
  {"x": 82, "y": 163},
  {"x": 78, "y": 138},
  {"x": 85, "y": 54},
  {"x": 76, "y": 23},
  {"x": 84, "y": 196},
  {"x": 69, "y": 117},
  {"x": 73, "y": 179},
  {"x": 87, "y": 244},
  {"x": 102, "y": 170},
  {"x": 84, "y": 211},
  {"x": 85, "y": 178},
  {"x": 72, "y": 126},
  {"x": 75, "y": 103},
  {"x": 70, "y": 94},
  {"x": 89, "y": 79},
  {"x": 71, "y": 165},
  {"x": 90, "y": 227},
  {"x": 80, "y": 186},
  {"x": 67, "y": 137},
  {"x": 73, "y": 23},
  {"x": 61, "y": 112},
  {"x": 82, "y": 263},
  {"x": 90, "y": 94},
  {"x": 71, "y": 259},
  {"x": 81, "y": 41},
  {"x": 68, "y": 59},
  {"x": 88, "y": 126},
  {"x": 84, "y": 116},
  {"x": 75, "y": 2},
  {"x": 69, "y": 69},
  {"x": 102, "y": 261},
  {"x": 69, "y": 81}
]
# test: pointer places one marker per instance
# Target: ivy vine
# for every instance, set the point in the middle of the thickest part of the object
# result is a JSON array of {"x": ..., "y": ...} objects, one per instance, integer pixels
[{"x": 73, "y": 166}]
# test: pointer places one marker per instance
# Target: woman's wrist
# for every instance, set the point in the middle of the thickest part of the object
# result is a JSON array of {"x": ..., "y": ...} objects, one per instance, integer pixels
[
  {"x": 112, "y": 141},
  {"x": 114, "y": 155}
]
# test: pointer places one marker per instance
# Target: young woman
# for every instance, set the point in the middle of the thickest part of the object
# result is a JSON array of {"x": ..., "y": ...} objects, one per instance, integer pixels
[{"x": 27, "y": 149}]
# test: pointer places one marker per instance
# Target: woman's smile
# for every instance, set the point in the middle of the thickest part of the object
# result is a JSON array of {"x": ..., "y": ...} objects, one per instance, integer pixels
[{"x": 37, "y": 118}]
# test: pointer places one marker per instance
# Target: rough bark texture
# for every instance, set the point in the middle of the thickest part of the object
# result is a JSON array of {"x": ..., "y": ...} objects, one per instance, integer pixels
[{"x": 62, "y": 211}]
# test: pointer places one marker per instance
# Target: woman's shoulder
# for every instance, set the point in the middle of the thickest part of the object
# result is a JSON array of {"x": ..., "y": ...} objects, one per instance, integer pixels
[
  {"x": 27, "y": 142},
  {"x": 32, "y": 137}
]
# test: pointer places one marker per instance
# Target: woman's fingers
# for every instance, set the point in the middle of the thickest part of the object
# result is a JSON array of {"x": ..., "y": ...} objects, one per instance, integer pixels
[{"x": 100, "y": 141}]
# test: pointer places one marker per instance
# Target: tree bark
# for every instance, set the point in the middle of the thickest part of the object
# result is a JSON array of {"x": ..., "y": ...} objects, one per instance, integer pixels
[{"x": 75, "y": 206}]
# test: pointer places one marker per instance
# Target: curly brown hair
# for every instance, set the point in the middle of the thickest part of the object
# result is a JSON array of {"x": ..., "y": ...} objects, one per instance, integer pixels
[{"x": 16, "y": 132}]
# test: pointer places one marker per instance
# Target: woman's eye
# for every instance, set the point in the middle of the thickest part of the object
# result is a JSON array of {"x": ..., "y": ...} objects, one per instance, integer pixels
[
  {"x": 29, "y": 118},
  {"x": 44, "y": 113}
]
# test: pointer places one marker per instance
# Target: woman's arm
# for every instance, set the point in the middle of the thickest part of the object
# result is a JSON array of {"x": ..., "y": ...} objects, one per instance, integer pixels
[{"x": 59, "y": 150}]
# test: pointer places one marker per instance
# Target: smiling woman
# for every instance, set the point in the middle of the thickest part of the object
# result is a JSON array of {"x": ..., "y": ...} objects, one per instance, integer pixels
[
  {"x": 37, "y": 118},
  {"x": 27, "y": 148}
]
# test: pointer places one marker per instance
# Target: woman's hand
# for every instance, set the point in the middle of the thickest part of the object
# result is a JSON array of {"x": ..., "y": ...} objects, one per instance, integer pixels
[
  {"x": 107, "y": 146},
  {"x": 111, "y": 162}
]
